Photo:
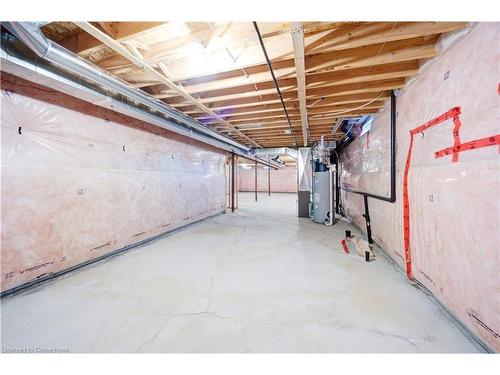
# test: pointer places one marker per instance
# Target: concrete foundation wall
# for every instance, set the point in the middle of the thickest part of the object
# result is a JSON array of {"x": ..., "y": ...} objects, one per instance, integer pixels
[
  {"x": 79, "y": 181},
  {"x": 454, "y": 232},
  {"x": 282, "y": 180}
]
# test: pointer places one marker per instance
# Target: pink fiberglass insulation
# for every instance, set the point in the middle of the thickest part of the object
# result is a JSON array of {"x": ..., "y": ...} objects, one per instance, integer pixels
[
  {"x": 282, "y": 180},
  {"x": 79, "y": 181},
  {"x": 454, "y": 237}
]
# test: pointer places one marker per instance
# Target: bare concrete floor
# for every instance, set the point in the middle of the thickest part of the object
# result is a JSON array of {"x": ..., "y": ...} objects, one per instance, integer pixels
[{"x": 259, "y": 280}]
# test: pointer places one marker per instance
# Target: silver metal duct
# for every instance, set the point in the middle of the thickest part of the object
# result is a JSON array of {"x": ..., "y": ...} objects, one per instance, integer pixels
[
  {"x": 138, "y": 104},
  {"x": 304, "y": 168},
  {"x": 304, "y": 182},
  {"x": 276, "y": 151},
  {"x": 31, "y": 35}
]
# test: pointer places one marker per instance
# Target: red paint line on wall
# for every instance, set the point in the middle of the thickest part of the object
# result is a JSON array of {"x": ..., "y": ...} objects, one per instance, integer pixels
[
  {"x": 344, "y": 245},
  {"x": 471, "y": 145},
  {"x": 406, "y": 211},
  {"x": 455, "y": 111},
  {"x": 456, "y": 137},
  {"x": 452, "y": 113}
]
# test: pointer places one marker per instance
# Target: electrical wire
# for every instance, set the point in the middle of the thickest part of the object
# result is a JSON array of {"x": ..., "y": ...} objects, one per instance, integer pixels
[
  {"x": 274, "y": 80},
  {"x": 354, "y": 109}
]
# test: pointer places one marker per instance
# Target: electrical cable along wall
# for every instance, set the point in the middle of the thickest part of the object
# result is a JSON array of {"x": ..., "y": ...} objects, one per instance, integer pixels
[{"x": 443, "y": 228}]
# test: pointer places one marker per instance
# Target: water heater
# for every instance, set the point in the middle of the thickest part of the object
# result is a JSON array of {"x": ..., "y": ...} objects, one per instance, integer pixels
[{"x": 321, "y": 193}]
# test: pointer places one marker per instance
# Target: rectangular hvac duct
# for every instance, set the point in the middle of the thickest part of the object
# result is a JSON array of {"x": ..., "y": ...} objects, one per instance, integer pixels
[{"x": 304, "y": 180}]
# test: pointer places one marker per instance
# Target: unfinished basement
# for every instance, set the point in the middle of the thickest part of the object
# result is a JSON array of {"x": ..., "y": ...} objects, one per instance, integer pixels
[{"x": 216, "y": 187}]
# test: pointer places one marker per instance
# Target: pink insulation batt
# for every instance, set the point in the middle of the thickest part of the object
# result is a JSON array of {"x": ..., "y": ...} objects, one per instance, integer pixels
[
  {"x": 76, "y": 186},
  {"x": 454, "y": 206},
  {"x": 282, "y": 180}
]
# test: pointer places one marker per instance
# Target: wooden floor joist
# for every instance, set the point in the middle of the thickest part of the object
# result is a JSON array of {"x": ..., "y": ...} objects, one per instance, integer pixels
[{"x": 215, "y": 72}]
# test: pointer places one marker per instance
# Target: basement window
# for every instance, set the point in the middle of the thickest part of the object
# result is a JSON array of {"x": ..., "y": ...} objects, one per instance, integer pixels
[{"x": 366, "y": 126}]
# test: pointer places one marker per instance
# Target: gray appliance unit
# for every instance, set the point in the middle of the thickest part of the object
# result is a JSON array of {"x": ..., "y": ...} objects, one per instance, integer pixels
[{"x": 320, "y": 193}]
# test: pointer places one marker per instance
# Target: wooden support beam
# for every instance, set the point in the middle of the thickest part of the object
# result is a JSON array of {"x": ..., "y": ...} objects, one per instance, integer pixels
[
  {"x": 238, "y": 90},
  {"x": 295, "y": 118},
  {"x": 379, "y": 103},
  {"x": 255, "y": 166},
  {"x": 403, "y": 50},
  {"x": 298, "y": 52},
  {"x": 356, "y": 75},
  {"x": 135, "y": 43},
  {"x": 233, "y": 180},
  {"x": 319, "y": 92},
  {"x": 258, "y": 108},
  {"x": 256, "y": 117},
  {"x": 330, "y": 70},
  {"x": 83, "y": 42},
  {"x": 135, "y": 51},
  {"x": 163, "y": 68},
  {"x": 363, "y": 74},
  {"x": 292, "y": 104},
  {"x": 379, "y": 32},
  {"x": 109, "y": 28},
  {"x": 175, "y": 46},
  {"x": 346, "y": 59},
  {"x": 252, "y": 115},
  {"x": 325, "y": 37},
  {"x": 242, "y": 92},
  {"x": 123, "y": 51}
]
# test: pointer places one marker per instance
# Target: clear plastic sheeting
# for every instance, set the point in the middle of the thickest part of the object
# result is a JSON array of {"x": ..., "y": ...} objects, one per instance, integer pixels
[
  {"x": 453, "y": 206},
  {"x": 283, "y": 180},
  {"x": 369, "y": 160},
  {"x": 75, "y": 186}
]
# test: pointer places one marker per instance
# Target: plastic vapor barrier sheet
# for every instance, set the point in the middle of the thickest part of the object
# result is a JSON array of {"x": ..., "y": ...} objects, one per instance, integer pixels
[
  {"x": 443, "y": 227},
  {"x": 75, "y": 186}
]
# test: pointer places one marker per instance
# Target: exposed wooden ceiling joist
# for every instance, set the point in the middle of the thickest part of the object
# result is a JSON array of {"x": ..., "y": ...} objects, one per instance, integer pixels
[
  {"x": 348, "y": 70},
  {"x": 84, "y": 42},
  {"x": 293, "y": 104},
  {"x": 104, "y": 38},
  {"x": 376, "y": 32},
  {"x": 325, "y": 91},
  {"x": 298, "y": 51},
  {"x": 369, "y": 56}
]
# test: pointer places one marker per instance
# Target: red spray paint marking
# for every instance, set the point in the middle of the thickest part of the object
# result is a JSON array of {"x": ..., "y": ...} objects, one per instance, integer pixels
[
  {"x": 456, "y": 137},
  {"x": 471, "y": 145},
  {"x": 452, "y": 113},
  {"x": 406, "y": 212},
  {"x": 454, "y": 150},
  {"x": 344, "y": 245}
]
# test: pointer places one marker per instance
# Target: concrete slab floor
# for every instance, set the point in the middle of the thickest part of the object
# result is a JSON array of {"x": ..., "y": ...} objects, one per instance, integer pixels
[{"x": 259, "y": 280}]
